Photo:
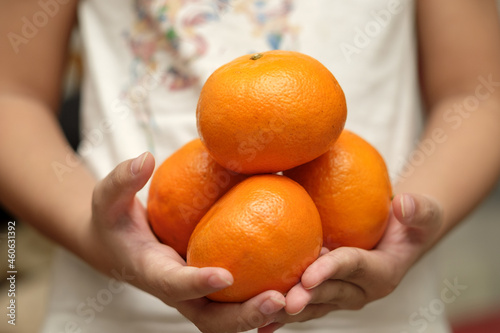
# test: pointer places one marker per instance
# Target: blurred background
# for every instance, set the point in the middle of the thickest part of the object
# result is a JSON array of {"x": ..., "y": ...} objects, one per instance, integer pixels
[{"x": 469, "y": 255}]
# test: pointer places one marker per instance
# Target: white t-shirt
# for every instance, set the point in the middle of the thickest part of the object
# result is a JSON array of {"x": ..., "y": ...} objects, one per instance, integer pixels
[{"x": 145, "y": 63}]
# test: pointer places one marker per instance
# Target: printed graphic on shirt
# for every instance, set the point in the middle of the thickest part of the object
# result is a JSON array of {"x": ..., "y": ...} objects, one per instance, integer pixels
[
  {"x": 167, "y": 33},
  {"x": 168, "y": 37}
]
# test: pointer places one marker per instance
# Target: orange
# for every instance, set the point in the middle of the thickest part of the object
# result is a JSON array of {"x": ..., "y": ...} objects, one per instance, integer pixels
[
  {"x": 270, "y": 111},
  {"x": 351, "y": 188},
  {"x": 266, "y": 231},
  {"x": 182, "y": 190}
]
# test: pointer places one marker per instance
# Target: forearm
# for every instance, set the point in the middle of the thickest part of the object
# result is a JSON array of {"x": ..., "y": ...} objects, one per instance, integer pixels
[
  {"x": 33, "y": 149},
  {"x": 459, "y": 79},
  {"x": 458, "y": 159}
]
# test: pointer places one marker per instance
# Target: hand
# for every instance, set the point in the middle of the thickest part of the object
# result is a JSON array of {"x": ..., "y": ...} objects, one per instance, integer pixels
[
  {"x": 350, "y": 278},
  {"x": 120, "y": 239}
]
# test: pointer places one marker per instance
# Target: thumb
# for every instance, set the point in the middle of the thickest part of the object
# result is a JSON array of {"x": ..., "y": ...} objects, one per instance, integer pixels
[
  {"x": 417, "y": 211},
  {"x": 117, "y": 190},
  {"x": 185, "y": 282}
]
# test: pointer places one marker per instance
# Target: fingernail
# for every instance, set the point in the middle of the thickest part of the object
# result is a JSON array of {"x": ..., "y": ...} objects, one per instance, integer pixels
[
  {"x": 271, "y": 305},
  {"x": 296, "y": 313},
  {"x": 138, "y": 163},
  {"x": 407, "y": 206},
  {"x": 218, "y": 282}
]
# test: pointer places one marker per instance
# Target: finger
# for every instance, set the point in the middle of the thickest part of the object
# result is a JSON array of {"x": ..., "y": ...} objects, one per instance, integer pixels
[
  {"x": 357, "y": 266},
  {"x": 417, "y": 211},
  {"x": 161, "y": 271},
  {"x": 270, "y": 328},
  {"x": 341, "y": 263},
  {"x": 297, "y": 298},
  {"x": 117, "y": 190},
  {"x": 324, "y": 251},
  {"x": 311, "y": 311},
  {"x": 259, "y": 311},
  {"x": 344, "y": 294},
  {"x": 176, "y": 283}
]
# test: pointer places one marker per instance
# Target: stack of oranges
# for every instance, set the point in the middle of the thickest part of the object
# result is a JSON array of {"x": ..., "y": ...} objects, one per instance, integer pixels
[{"x": 273, "y": 177}]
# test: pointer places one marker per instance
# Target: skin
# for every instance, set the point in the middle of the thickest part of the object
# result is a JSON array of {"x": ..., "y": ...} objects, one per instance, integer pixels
[{"x": 102, "y": 222}]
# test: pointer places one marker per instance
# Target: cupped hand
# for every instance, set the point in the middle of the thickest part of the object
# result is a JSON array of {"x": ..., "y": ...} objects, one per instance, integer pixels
[
  {"x": 350, "y": 278},
  {"x": 120, "y": 239}
]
